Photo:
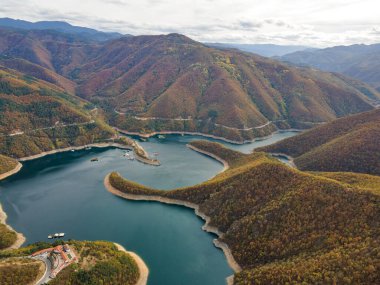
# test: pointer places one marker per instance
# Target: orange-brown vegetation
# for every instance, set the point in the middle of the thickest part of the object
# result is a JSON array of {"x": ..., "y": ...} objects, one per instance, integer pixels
[
  {"x": 347, "y": 144},
  {"x": 285, "y": 226},
  {"x": 37, "y": 116},
  {"x": 172, "y": 76}
]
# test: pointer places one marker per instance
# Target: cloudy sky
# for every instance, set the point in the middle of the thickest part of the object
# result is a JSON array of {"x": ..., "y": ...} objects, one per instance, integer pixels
[{"x": 307, "y": 22}]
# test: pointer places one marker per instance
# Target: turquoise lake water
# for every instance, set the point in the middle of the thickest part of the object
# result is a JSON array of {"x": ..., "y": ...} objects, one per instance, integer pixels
[{"x": 65, "y": 193}]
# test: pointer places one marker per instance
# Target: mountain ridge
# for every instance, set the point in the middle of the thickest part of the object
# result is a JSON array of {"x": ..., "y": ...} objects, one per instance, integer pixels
[
  {"x": 348, "y": 144},
  {"x": 358, "y": 61},
  {"x": 185, "y": 84}
]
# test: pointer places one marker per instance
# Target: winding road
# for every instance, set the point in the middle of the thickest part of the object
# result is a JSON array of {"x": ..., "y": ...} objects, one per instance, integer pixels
[
  {"x": 46, "y": 277},
  {"x": 46, "y": 128}
]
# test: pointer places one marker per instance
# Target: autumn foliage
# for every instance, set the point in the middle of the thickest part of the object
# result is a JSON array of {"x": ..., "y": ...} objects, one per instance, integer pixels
[
  {"x": 285, "y": 226},
  {"x": 347, "y": 144}
]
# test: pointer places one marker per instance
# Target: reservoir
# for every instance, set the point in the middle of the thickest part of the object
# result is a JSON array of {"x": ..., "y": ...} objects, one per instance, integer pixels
[{"x": 64, "y": 193}]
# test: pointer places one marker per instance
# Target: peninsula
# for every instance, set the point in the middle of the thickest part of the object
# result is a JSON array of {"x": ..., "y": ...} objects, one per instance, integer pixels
[{"x": 269, "y": 217}]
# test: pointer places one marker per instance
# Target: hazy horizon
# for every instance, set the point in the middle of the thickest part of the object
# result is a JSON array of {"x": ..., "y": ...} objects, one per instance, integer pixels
[{"x": 322, "y": 24}]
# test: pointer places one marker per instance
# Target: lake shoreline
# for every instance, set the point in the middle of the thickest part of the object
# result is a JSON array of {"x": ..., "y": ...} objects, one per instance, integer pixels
[
  {"x": 217, "y": 158},
  {"x": 143, "y": 268},
  {"x": 20, "y": 239},
  {"x": 206, "y": 227},
  {"x": 16, "y": 169},
  {"x": 96, "y": 145},
  {"x": 3, "y": 216},
  {"x": 152, "y": 134}
]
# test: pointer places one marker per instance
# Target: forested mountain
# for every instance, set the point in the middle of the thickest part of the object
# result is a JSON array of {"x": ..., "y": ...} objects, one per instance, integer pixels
[
  {"x": 60, "y": 26},
  {"x": 172, "y": 83},
  {"x": 285, "y": 226},
  {"x": 357, "y": 61},
  {"x": 36, "y": 116},
  {"x": 347, "y": 144}
]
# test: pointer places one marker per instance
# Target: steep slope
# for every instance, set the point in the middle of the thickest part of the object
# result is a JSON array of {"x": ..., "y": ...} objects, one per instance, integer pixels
[
  {"x": 358, "y": 61},
  {"x": 34, "y": 70},
  {"x": 172, "y": 83},
  {"x": 347, "y": 144},
  {"x": 283, "y": 225},
  {"x": 36, "y": 116},
  {"x": 49, "y": 49}
]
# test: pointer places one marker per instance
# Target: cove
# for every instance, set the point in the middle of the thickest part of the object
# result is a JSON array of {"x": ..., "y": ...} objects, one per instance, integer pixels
[{"x": 65, "y": 193}]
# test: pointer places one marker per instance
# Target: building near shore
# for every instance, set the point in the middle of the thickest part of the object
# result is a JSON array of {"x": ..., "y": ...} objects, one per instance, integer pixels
[{"x": 60, "y": 257}]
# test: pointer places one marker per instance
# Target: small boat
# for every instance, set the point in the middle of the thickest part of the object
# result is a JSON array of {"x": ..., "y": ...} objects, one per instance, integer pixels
[
  {"x": 61, "y": 234},
  {"x": 56, "y": 235},
  {"x": 143, "y": 139},
  {"x": 50, "y": 236},
  {"x": 94, "y": 159},
  {"x": 88, "y": 148},
  {"x": 161, "y": 136},
  {"x": 72, "y": 150}
]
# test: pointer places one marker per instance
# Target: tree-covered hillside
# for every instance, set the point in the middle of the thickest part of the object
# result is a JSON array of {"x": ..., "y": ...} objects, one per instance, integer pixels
[
  {"x": 36, "y": 116},
  {"x": 285, "y": 226},
  {"x": 99, "y": 262},
  {"x": 172, "y": 83},
  {"x": 347, "y": 144}
]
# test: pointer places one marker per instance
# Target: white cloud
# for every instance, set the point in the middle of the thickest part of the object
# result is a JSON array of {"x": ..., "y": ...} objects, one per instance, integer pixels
[{"x": 308, "y": 22}]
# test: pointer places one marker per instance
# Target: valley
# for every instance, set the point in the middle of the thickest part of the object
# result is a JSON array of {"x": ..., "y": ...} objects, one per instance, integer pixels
[
  {"x": 172, "y": 83},
  {"x": 167, "y": 157}
]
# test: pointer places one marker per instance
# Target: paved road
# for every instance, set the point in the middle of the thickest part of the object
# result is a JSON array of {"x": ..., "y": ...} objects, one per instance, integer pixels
[
  {"x": 48, "y": 128},
  {"x": 44, "y": 279}
]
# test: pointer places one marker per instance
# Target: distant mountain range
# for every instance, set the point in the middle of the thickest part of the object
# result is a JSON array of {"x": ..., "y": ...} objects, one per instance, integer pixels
[
  {"x": 358, "y": 61},
  {"x": 60, "y": 26},
  {"x": 268, "y": 50}
]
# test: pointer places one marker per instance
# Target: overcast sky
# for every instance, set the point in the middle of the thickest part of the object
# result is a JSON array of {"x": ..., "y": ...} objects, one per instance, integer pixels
[{"x": 317, "y": 23}]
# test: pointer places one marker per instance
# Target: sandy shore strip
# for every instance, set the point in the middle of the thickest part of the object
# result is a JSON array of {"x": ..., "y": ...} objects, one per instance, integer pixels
[
  {"x": 206, "y": 227},
  {"x": 222, "y": 161},
  {"x": 144, "y": 271},
  {"x": 11, "y": 172},
  {"x": 97, "y": 145},
  {"x": 20, "y": 239},
  {"x": 148, "y": 135}
]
